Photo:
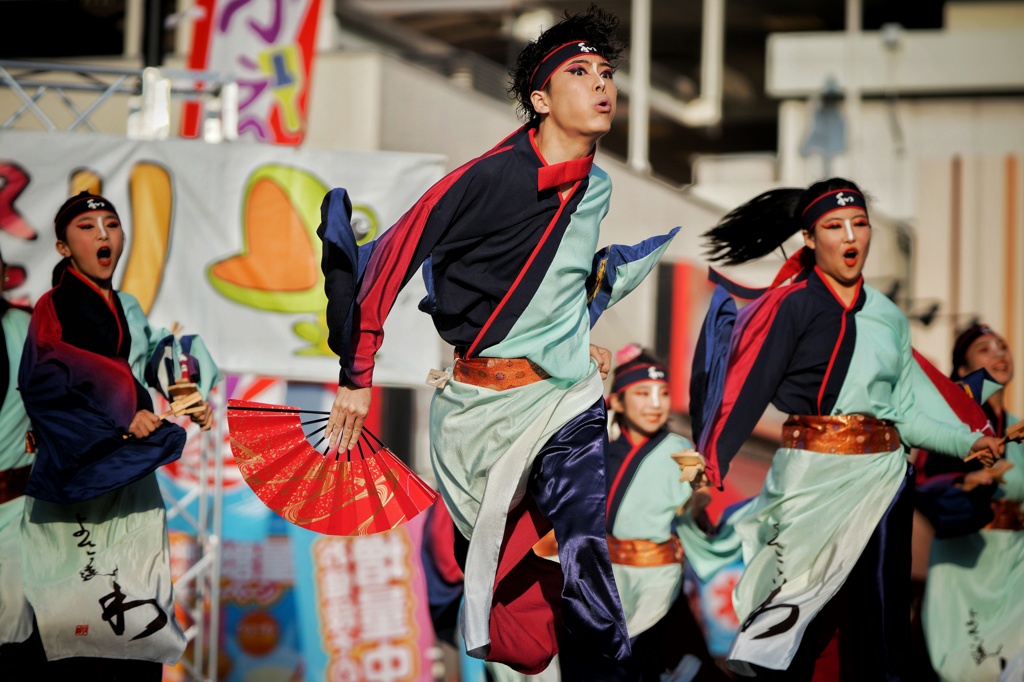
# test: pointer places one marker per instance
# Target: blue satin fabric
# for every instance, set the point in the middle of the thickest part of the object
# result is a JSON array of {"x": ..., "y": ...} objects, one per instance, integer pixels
[
  {"x": 568, "y": 486},
  {"x": 953, "y": 511}
]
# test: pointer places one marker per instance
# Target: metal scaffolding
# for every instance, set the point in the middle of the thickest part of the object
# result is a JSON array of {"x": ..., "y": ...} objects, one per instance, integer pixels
[
  {"x": 197, "y": 589},
  {"x": 149, "y": 94}
]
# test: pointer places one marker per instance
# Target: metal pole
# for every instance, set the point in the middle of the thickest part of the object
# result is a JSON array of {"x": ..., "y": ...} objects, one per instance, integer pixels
[
  {"x": 712, "y": 50},
  {"x": 203, "y": 581},
  {"x": 217, "y": 528},
  {"x": 29, "y": 101},
  {"x": 134, "y": 16},
  {"x": 852, "y": 84},
  {"x": 640, "y": 82},
  {"x": 153, "y": 40}
]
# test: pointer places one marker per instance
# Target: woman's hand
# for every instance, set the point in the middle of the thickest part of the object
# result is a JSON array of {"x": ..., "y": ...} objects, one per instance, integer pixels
[
  {"x": 144, "y": 423},
  {"x": 700, "y": 482},
  {"x": 986, "y": 450},
  {"x": 993, "y": 474},
  {"x": 977, "y": 478},
  {"x": 203, "y": 416},
  {"x": 603, "y": 357},
  {"x": 350, "y": 408},
  {"x": 698, "y": 502}
]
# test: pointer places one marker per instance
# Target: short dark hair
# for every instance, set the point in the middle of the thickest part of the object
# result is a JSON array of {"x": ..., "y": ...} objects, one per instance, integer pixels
[{"x": 595, "y": 26}]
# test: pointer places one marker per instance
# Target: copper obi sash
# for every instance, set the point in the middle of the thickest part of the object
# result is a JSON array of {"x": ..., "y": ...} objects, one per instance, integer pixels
[
  {"x": 843, "y": 434},
  {"x": 497, "y": 374},
  {"x": 645, "y": 552},
  {"x": 1006, "y": 515},
  {"x": 13, "y": 482}
]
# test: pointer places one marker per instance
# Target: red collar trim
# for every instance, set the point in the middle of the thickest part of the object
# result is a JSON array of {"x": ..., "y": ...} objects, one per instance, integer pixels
[
  {"x": 633, "y": 443},
  {"x": 828, "y": 285},
  {"x": 89, "y": 283},
  {"x": 550, "y": 176}
]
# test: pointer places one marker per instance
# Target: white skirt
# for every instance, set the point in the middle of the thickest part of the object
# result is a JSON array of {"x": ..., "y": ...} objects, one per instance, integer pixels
[
  {"x": 802, "y": 537},
  {"x": 98, "y": 576}
]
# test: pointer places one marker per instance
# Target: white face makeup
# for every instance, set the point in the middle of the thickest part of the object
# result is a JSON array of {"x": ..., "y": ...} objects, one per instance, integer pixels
[
  {"x": 596, "y": 69},
  {"x": 580, "y": 98},
  {"x": 94, "y": 241},
  {"x": 849, "y": 230},
  {"x": 840, "y": 240},
  {"x": 103, "y": 229},
  {"x": 644, "y": 407}
]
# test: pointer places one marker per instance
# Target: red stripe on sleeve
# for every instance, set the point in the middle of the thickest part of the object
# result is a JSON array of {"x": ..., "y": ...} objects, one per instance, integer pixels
[{"x": 389, "y": 269}]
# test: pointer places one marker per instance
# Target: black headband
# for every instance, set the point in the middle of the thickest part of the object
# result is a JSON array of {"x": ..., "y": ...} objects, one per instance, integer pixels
[
  {"x": 554, "y": 59},
  {"x": 831, "y": 201},
  {"x": 636, "y": 374},
  {"x": 82, "y": 202}
]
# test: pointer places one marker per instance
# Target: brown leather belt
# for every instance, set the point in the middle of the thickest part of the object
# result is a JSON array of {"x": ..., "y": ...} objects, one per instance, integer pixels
[
  {"x": 1006, "y": 515},
  {"x": 645, "y": 552},
  {"x": 843, "y": 434},
  {"x": 13, "y": 482},
  {"x": 498, "y": 374}
]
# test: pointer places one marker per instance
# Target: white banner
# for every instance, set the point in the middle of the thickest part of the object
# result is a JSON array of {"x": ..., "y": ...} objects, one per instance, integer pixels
[{"x": 222, "y": 239}]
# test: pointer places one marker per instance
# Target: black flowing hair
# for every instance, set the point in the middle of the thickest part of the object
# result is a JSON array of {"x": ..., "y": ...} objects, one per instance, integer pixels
[
  {"x": 595, "y": 26},
  {"x": 761, "y": 225}
]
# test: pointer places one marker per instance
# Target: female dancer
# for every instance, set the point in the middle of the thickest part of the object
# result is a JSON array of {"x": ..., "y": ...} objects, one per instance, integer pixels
[
  {"x": 518, "y": 430},
  {"x": 972, "y": 610},
  {"x": 646, "y": 497},
  {"x": 827, "y": 542},
  {"x": 94, "y": 537}
]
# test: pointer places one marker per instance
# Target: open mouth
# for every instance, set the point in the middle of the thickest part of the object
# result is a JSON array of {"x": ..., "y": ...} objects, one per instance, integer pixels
[
  {"x": 850, "y": 257},
  {"x": 603, "y": 105},
  {"x": 103, "y": 254}
]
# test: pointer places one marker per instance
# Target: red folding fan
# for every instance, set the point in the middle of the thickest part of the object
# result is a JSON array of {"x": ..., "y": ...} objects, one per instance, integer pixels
[{"x": 362, "y": 491}]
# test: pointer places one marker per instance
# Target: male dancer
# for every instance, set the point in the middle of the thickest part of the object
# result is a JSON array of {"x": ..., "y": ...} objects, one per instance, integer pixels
[{"x": 518, "y": 425}]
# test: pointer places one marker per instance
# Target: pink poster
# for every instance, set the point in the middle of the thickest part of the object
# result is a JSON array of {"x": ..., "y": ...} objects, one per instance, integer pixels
[
  {"x": 362, "y": 606},
  {"x": 268, "y": 45}
]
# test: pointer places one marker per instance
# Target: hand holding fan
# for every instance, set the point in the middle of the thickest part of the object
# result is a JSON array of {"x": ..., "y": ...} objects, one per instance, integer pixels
[{"x": 362, "y": 491}]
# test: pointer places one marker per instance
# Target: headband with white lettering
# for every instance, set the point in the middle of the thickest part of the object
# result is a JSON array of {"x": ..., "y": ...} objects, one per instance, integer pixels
[
  {"x": 637, "y": 373},
  {"x": 554, "y": 59},
  {"x": 831, "y": 201},
  {"x": 83, "y": 202}
]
